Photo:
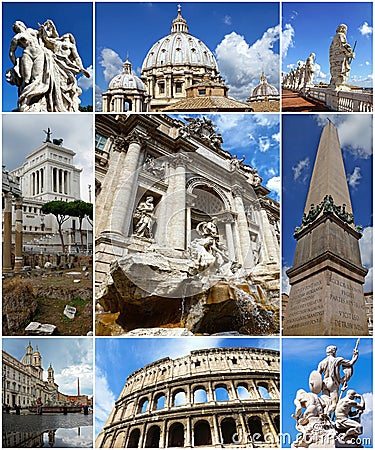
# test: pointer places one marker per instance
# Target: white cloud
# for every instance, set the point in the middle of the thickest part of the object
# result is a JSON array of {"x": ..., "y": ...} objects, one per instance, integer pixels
[
  {"x": 353, "y": 178},
  {"x": 365, "y": 246},
  {"x": 111, "y": 62},
  {"x": 355, "y": 131},
  {"x": 365, "y": 29},
  {"x": 366, "y": 418},
  {"x": 274, "y": 184},
  {"x": 86, "y": 83},
  {"x": 300, "y": 170},
  {"x": 241, "y": 63},
  {"x": 104, "y": 400},
  {"x": 264, "y": 143},
  {"x": 227, "y": 20},
  {"x": 67, "y": 379},
  {"x": 287, "y": 39},
  {"x": 277, "y": 137},
  {"x": 319, "y": 75},
  {"x": 285, "y": 286}
]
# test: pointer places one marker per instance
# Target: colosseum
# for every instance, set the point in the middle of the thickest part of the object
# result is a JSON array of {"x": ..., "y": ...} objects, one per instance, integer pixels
[{"x": 220, "y": 397}]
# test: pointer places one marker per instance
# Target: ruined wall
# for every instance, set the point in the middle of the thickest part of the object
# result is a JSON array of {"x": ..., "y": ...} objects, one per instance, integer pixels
[{"x": 210, "y": 397}]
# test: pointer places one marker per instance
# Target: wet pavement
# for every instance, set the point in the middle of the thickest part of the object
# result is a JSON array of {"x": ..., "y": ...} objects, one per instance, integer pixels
[{"x": 52, "y": 430}]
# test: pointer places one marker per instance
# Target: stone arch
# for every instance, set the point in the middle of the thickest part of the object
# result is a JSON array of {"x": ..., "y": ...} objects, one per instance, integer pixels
[
  {"x": 228, "y": 430},
  {"x": 202, "y": 433},
  {"x": 120, "y": 440},
  {"x": 221, "y": 393},
  {"x": 276, "y": 422},
  {"x": 153, "y": 437},
  {"x": 107, "y": 442},
  {"x": 263, "y": 389},
  {"x": 197, "y": 182},
  {"x": 255, "y": 428},
  {"x": 179, "y": 397},
  {"x": 176, "y": 435},
  {"x": 142, "y": 405},
  {"x": 134, "y": 438},
  {"x": 243, "y": 391},
  {"x": 200, "y": 395},
  {"x": 159, "y": 402}
]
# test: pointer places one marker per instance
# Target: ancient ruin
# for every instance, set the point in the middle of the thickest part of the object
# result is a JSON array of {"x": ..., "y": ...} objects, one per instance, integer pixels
[
  {"x": 220, "y": 397},
  {"x": 327, "y": 277},
  {"x": 186, "y": 235}
]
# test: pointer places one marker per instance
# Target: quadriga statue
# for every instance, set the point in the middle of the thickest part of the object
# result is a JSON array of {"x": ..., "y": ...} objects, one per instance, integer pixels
[{"x": 45, "y": 73}]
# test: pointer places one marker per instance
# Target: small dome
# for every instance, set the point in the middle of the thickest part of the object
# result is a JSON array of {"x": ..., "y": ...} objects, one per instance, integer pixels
[
  {"x": 264, "y": 89},
  {"x": 180, "y": 48},
  {"x": 127, "y": 79}
]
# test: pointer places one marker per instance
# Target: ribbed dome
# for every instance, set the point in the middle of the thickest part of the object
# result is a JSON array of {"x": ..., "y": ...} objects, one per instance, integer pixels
[
  {"x": 179, "y": 48},
  {"x": 264, "y": 89},
  {"x": 126, "y": 79}
]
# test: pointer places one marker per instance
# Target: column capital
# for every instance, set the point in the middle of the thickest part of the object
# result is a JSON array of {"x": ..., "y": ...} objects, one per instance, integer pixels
[
  {"x": 178, "y": 160},
  {"x": 237, "y": 191}
]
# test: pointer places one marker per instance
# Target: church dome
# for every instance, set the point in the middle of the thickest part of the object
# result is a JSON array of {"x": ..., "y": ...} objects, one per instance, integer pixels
[
  {"x": 180, "y": 48},
  {"x": 264, "y": 89},
  {"x": 126, "y": 79}
]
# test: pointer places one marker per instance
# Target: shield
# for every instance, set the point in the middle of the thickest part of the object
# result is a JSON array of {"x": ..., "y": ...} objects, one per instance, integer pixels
[{"x": 315, "y": 382}]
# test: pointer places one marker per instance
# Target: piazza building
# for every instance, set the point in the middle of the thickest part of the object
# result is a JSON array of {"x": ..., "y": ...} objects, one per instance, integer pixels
[{"x": 218, "y": 397}]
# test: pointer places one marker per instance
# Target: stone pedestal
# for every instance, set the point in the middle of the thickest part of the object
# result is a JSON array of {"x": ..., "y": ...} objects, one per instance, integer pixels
[{"x": 326, "y": 296}]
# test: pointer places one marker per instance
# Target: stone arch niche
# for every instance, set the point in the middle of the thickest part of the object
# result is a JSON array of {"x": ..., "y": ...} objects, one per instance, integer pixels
[
  {"x": 153, "y": 437},
  {"x": 176, "y": 435},
  {"x": 134, "y": 437},
  {"x": 255, "y": 428},
  {"x": 202, "y": 433},
  {"x": 228, "y": 430}
]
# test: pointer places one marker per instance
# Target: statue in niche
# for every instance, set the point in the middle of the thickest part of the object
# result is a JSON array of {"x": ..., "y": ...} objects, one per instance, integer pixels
[
  {"x": 45, "y": 73},
  {"x": 235, "y": 163},
  {"x": 152, "y": 167},
  {"x": 341, "y": 55},
  {"x": 209, "y": 253},
  {"x": 143, "y": 218}
]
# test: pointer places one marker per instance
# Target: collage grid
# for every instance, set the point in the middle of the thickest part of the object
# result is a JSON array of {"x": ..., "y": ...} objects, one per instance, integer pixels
[{"x": 187, "y": 224}]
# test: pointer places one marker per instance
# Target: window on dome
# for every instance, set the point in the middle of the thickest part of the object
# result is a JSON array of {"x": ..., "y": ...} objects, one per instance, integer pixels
[
  {"x": 161, "y": 88},
  {"x": 201, "y": 91},
  {"x": 178, "y": 87}
]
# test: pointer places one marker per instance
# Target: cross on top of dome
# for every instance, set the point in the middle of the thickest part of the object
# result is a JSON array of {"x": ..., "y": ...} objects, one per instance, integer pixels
[{"x": 179, "y": 23}]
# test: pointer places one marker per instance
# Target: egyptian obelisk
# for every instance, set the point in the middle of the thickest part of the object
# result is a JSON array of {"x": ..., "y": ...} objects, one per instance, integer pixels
[{"x": 327, "y": 276}]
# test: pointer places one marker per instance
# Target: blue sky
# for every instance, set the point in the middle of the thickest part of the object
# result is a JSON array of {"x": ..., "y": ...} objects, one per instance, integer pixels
[
  {"x": 75, "y": 18},
  {"x": 310, "y": 28},
  {"x": 257, "y": 137},
  {"x": 244, "y": 37},
  {"x": 70, "y": 358},
  {"x": 117, "y": 358},
  {"x": 299, "y": 151},
  {"x": 302, "y": 356}
]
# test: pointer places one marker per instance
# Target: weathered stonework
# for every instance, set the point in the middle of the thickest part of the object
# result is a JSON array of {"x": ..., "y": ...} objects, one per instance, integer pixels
[{"x": 151, "y": 413}]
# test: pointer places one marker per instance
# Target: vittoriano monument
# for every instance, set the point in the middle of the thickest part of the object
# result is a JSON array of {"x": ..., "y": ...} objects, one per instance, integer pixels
[
  {"x": 45, "y": 73},
  {"x": 329, "y": 416},
  {"x": 327, "y": 276}
]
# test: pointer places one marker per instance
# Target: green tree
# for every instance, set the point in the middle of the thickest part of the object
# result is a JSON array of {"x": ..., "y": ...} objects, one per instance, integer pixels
[
  {"x": 61, "y": 211},
  {"x": 81, "y": 209}
]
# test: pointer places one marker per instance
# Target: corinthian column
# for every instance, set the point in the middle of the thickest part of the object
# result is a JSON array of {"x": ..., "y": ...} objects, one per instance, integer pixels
[
  {"x": 7, "y": 234},
  {"x": 18, "y": 263},
  {"x": 176, "y": 222},
  {"x": 243, "y": 230},
  {"x": 124, "y": 184}
]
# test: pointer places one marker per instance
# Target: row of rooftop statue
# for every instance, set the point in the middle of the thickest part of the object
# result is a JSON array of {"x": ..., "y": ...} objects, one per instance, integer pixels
[
  {"x": 45, "y": 73},
  {"x": 341, "y": 55},
  {"x": 330, "y": 414}
]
